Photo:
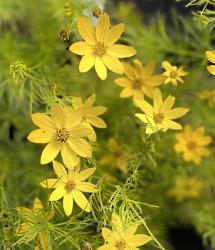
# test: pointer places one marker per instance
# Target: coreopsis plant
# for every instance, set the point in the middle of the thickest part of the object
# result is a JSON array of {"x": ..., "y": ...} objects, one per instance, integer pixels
[
  {"x": 63, "y": 132},
  {"x": 98, "y": 48},
  {"x": 121, "y": 237},
  {"x": 160, "y": 116},
  {"x": 70, "y": 186},
  {"x": 172, "y": 73},
  {"x": 193, "y": 144},
  {"x": 211, "y": 57},
  {"x": 140, "y": 80},
  {"x": 186, "y": 188},
  {"x": 33, "y": 217},
  {"x": 91, "y": 114}
]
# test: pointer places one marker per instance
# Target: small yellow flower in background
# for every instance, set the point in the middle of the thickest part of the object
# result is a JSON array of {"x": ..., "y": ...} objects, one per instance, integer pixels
[
  {"x": 108, "y": 177},
  {"x": 32, "y": 217},
  {"x": 91, "y": 113},
  {"x": 98, "y": 48},
  {"x": 140, "y": 80},
  {"x": 160, "y": 116},
  {"x": 122, "y": 238},
  {"x": 173, "y": 74},
  {"x": 69, "y": 186},
  {"x": 63, "y": 132},
  {"x": 193, "y": 144},
  {"x": 118, "y": 156},
  {"x": 211, "y": 57},
  {"x": 209, "y": 96},
  {"x": 67, "y": 10},
  {"x": 186, "y": 188}
]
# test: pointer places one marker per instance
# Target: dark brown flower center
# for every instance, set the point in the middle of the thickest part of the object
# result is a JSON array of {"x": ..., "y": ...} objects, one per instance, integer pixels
[
  {"x": 70, "y": 185},
  {"x": 121, "y": 244},
  {"x": 191, "y": 145},
  {"x": 158, "y": 118},
  {"x": 99, "y": 49},
  {"x": 63, "y": 134},
  {"x": 137, "y": 84},
  {"x": 173, "y": 74}
]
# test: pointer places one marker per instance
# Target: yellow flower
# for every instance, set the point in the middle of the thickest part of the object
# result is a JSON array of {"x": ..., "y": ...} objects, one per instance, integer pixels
[
  {"x": 118, "y": 156},
  {"x": 208, "y": 95},
  {"x": 172, "y": 73},
  {"x": 90, "y": 117},
  {"x": 211, "y": 57},
  {"x": 185, "y": 188},
  {"x": 98, "y": 47},
  {"x": 140, "y": 80},
  {"x": 160, "y": 116},
  {"x": 193, "y": 144},
  {"x": 32, "y": 217},
  {"x": 69, "y": 186},
  {"x": 122, "y": 238},
  {"x": 63, "y": 132}
]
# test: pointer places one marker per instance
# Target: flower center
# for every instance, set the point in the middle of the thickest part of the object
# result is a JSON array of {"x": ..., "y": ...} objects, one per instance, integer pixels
[
  {"x": 121, "y": 244},
  {"x": 62, "y": 134},
  {"x": 158, "y": 118},
  {"x": 99, "y": 49},
  {"x": 173, "y": 74},
  {"x": 191, "y": 145},
  {"x": 137, "y": 83},
  {"x": 70, "y": 185}
]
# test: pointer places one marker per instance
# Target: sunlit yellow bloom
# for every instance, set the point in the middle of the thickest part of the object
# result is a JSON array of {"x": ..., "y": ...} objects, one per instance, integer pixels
[
  {"x": 98, "y": 47},
  {"x": 118, "y": 156},
  {"x": 173, "y": 74},
  {"x": 209, "y": 96},
  {"x": 63, "y": 132},
  {"x": 192, "y": 143},
  {"x": 211, "y": 57},
  {"x": 91, "y": 114},
  {"x": 140, "y": 80},
  {"x": 185, "y": 188},
  {"x": 32, "y": 218},
  {"x": 69, "y": 185},
  {"x": 121, "y": 237},
  {"x": 160, "y": 116}
]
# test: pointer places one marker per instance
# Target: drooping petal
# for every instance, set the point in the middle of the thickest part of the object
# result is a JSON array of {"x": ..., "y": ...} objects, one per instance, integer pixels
[
  {"x": 80, "y": 147},
  {"x": 83, "y": 175},
  {"x": 81, "y": 48},
  {"x": 68, "y": 203},
  {"x": 51, "y": 183},
  {"x": 113, "y": 34},
  {"x": 60, "y": 170},
  {"x": 57, "y": 194},
  {"x": 100, "y": 68},
  {"x": 40, "y": 136},
  {"x": 102, "y": 27},
  {"x": 69, "y": 157},
  {"x": 96, "y": 121},
  {"x": 58, "y": 114},
  {"x": 176, "y": 113},
  {"x": 139, "y": 240},
  {"x": 43, "y": 121},
  {"x": 81, "y": 200},
  {"x": 210, "y": 56},
  {"x": 50, "y": 151},
  {"x": 87, "y": 187},
  {"x": 121, "y": 51},
  {"x": 145, "y": 107},
  {"x": 86, "y": 30},
  {"x": 113, "y": 64},
  {"x": 86, "y": 63}
]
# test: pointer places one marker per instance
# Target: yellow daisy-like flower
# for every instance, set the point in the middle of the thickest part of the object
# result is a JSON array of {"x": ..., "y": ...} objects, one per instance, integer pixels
[
  {"x": 63, "y": 132},
  {"x": 69, "y": 186},
  {"x": 98, "y": 47},
  {"x": 118, "y": 156},
  {"x": 173, "y": 74},
  {"x": 122, "y": 238},
  {"x": 32, "y": 217},
  {"x": 160, "y": 116},
  {"x": 91, "y": 113},
  {"x": 140, "y": 80},
  {"x": 209, "y": 96},
  {"x": 211, "y": 57},
  {"x": 186, "y": 188},
  {"x": 192, "y": 143}
]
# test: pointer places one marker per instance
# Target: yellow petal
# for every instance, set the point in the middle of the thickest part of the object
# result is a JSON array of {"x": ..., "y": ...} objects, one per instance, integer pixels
[
  {"x": 204, "y": 140},
  {"x": 100, "y": 68},
  {"x": 90, "y": 100},
  {"x": 114, "y": 33},
  {"x": 129, "y": 70},
  {"x": 80, "y": 131},
  {"x": 81, "y": 200},
  {"x": 126, "y": 92},
  {"x": 210, "y": 56},
  {"x": 81, "y": 48},
  {"x": 80, "y": 147},
  {"x": 106, "y": 247},
  {"x": 83, "y": 175},
  {"x": 171, "y": 124},
  {"x": 86, "y": 63},
  {"x": 176, "y": 113},
  {"x": 121, "y": 51},
  {"x": 57, "y": 194},
  {"x": 51, "y": 183},
  {"x": 130, "y": 231},
  {"x": 96, "y": 122},
  {"x": 168, "y": 104},
  {"x": 157, "y": 100},
  {"x": 69, "y": 157},
  {"x": 155, "y": 80},
  {"x": 148, "y": 69},
  {"x": 123, "y": 82},
  {"x": 43, "y": 238},
  {"x": 58, "y": 114},
  {"x": 106, "y": 233},
  {"x": 60, "y": 170},
  {"x": 211, "y": 69},
  {"x": 86, "y": 30},
  {"x": 145, "y": 107},
  {"x": 76, "y": 102},
  {"x": 50, "y": 151},
  {"x": 68, "y": 203},
  {"x": 139, "y": 240},
  {"x": 167, "y": 66},
  {"x": 87, "y": 187},
  {"x": 37, "y": 204},
  {"x": 102, "y": 27},
  {"x": 116, "y": 221},
  {"x": 113, "y": 64},
  {"x": 43, "y": 121},
  {"x": 74, "y": 117},
  {"x": 40, "y": 136},
  {"x": 98, "y": 110}
]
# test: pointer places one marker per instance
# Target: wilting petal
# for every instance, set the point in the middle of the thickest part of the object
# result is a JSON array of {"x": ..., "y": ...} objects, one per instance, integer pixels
[
  {"x": 40, "y": 136},
  {"x": 60, "y": 171},
  {"x": 113, "y": 34},
  {"x": 100, "y": 68},
  {"x": 43, "y": 121},
  {"x": 81, "y": 200},
  {"x": 68, "y": 203},
  {"x": 81, "y": 48},
  {"x": 86, "y": 63},
  {"x": 113, "y": 64},
  {"x": 81, "y": 147},
  {"x": 87, "y": 187},
  {"x": 121, "y": 51},
  {"x": 50, "y": 151},
  {"x": 102, "y": 27},
  {"x": 86, "y": 30},
  {"x": 57, "y": 194},
  {"x": 83, "y": 175}
]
